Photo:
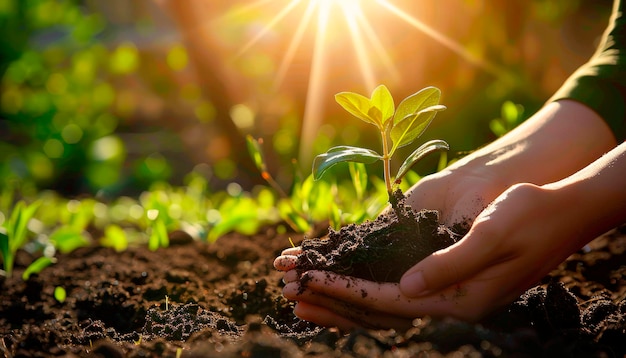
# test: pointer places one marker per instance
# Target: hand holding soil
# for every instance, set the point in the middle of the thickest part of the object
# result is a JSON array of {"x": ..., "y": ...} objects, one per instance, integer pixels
[{"x": 518, "y": 239}]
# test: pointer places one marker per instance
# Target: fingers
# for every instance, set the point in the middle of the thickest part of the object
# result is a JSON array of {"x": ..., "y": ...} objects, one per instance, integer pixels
[
  {"x": 323, "y": 316},
  {"x": 367, "y": 302},
  {"x": 285, "y": 262},
  {"x": 287, "y": 259},
  {"x": 327, "y": 311},
  {"x": 294, "y": 251},
  {"x": 291, "y": 276},
  {"x": 449, "y": 266},
  {"x": 373, "y": 296}
]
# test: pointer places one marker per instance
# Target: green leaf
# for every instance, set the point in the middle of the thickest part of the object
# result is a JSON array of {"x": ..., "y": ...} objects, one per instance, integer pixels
[
  {"x": 414, "y": 103},
  {"x": 339, "y": 154},
  {"x": 443, "y": 161},
  {"x": 497, "y": 127},
  {"x": 7, "y": 255},
  {"x": 60, "y": 294},
  {"x": 235, "y": 214},
  {"x": 382, "y": 99},
  {"x": 37, "y": 265},
  {"x": 83, "y": 214},
  {"x": 334, "y": 216},
  {"x": 18, "y": 224},
  {"x": 358, "y": 174},
  {"x": 510, "y": 112},
  {"x": 158, "y": 236},
  {"x": 418, "y": 154},
  {"x": 413, "y": 116},
  {"x": 254, "y": 149},
  {"x": 115, "y": 237},
  {"x": 67, "y": 239},
  {"x": 360, "y": 107},
  {"x": 15, "y": 226},
  {"x": 413, "y": 126},
  {"x": 293, "y": 218}
]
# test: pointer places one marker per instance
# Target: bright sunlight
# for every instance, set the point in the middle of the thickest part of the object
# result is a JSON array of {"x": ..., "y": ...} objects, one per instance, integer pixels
[{"x": 328, "y": 20}]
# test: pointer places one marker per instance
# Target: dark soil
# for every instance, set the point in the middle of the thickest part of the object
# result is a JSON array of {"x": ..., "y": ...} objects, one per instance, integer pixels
[
  {"x": 400, "y": 236},
  {"x": 224, "y": 299}
]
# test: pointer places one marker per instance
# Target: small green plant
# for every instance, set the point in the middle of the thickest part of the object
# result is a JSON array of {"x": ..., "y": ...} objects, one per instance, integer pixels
[
  {"x": 294, "y": 216},
  {"x": 16, "y": 233},
  {"x": 311, "y": 201},
  {"x": 511, "y": 115},
  {"x": 114, "y": 237},
  {"x": 158, "y": 230},
  {"x": 397, "y": 127},
  {"x": 60, "y": 294},
  {"x": 37, "y": 266}
]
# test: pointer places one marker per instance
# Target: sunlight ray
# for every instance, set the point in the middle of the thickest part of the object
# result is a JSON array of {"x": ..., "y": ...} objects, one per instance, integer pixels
[
  {"x": 378, "y": 47},
  {"x": 442, "y": 39},
  {"x": 250, "y": 7},
  {"x": 362, "y": 56},
  {"x": 284, "y": 12},
  {"x": 296, "y": 40},
  {"x": 315, "y": 99}
]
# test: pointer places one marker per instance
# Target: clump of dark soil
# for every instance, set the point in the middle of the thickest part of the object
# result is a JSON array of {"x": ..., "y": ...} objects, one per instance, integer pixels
[
  {"x": 400, "y": 236},
  {"x": 224, "y": 300}
]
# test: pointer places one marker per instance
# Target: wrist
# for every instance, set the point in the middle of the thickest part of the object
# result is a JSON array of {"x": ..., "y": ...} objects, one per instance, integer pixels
[
  {"x": 533, "y": 152},
  {"x": 595, "y": 197}
]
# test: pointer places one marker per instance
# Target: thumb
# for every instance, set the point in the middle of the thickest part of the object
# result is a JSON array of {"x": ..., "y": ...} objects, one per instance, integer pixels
[{"x": 446, "y": 267}]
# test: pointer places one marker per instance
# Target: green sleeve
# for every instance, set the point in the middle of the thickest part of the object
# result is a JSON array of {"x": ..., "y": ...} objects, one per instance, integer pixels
[{"x": 601, "y": 83}]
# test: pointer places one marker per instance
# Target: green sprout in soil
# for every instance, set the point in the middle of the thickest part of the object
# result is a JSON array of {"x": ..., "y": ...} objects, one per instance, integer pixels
[
  {"x": 60, "y": 294},
  {"x": 310, "y": 201},
  {"x": 37, "y": 266},
  {"x": 16, "y": 234},
  {"x": 398, "y": 127}
]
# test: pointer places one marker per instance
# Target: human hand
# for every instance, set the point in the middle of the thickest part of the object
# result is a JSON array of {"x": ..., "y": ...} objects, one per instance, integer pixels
[
  {"x": 458, "y": 194},
  {"x": 329, "y": 310},
  {"x": 509, "y": 247}
]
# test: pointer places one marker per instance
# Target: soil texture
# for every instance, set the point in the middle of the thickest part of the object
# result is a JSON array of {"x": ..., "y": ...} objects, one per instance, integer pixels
[
  {"x": 380, "y": 250},
  {"x": 195, "y": 299}
]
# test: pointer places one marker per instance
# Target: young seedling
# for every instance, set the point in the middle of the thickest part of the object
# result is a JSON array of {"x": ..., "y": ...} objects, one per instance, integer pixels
[
  {"x": 295, "y": 218},
  {"x": 16, "y": 234},
  {"x": 397, "y": 127},
  {"x": 60, "y": 294}
]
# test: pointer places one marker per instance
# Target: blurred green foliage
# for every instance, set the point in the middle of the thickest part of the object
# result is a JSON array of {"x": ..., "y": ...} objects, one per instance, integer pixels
[
  {"x": 47, "y": 223},
  {"x": 511, "y": 115},
  {"x": 61, "y": 107},
  {"x": 55, "y": 116}
]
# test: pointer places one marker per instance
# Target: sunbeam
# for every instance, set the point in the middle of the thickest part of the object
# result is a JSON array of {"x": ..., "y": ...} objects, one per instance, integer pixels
[
  {"x": 440, "y": 38},
  {"x": 296, "y": 40},
  {"x": 313, "y": 111},
  {"x": 352, "y": 14},
  {"x": 378, "y": 47},
  {"x": 252, "y": 6},
  {"x": 372, "y": 57},
  {"x": 284, "y": 12}
]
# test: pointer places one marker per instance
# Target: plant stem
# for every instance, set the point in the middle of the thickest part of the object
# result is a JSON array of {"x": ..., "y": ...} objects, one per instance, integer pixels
[{"x": 387, "y": 163}]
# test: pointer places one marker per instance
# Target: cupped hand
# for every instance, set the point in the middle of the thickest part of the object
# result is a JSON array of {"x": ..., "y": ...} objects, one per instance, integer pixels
[
  {"x": 518, "y": 239},
  {"x": 509, "y": 247},
  {"x": 458, "y": 194}
]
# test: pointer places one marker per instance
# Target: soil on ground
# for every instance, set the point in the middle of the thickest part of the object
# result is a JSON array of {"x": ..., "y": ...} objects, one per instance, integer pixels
[{"x": 195, "y": 299}]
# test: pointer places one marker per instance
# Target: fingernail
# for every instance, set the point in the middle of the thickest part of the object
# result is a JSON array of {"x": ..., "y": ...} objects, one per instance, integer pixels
[{"x": 413, "y": 284}]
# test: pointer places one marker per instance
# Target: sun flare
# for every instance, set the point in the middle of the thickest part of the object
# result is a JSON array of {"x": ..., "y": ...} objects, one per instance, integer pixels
[{"x": 352, "y": 21}]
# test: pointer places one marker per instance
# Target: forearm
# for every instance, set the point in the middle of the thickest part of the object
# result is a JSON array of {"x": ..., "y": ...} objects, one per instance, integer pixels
[
  {"x": 560, "y": 139},
  {"x": 596, "y": 195}
]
